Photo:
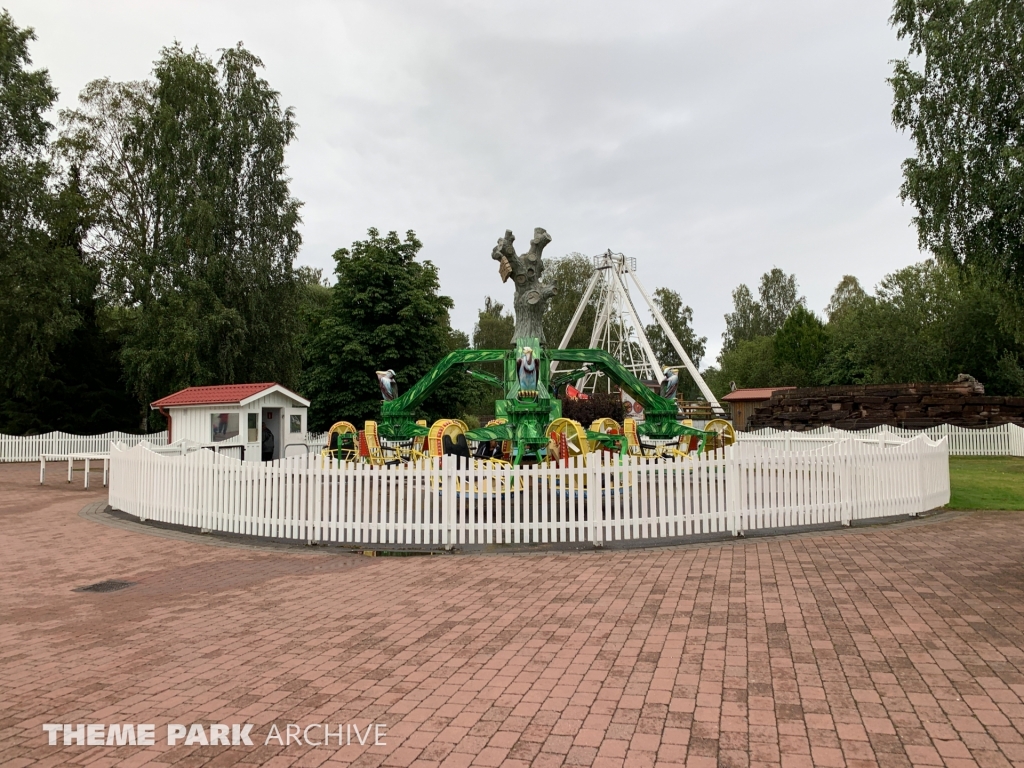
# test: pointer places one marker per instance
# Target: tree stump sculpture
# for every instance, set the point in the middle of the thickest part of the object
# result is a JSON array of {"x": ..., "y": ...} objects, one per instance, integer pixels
[{"x": 532, "y": 295}]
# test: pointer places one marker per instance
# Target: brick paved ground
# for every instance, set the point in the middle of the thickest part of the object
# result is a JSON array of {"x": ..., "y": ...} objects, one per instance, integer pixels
[{"x": 893, "y": 646}]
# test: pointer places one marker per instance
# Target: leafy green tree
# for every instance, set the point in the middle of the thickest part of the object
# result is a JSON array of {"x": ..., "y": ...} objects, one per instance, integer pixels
[
  {"x": 846, "y": 295},
  {"x": 82, "y": 390},
  {"x": 961, "y": 97},
  {"x": 926, "y": 322},
  {"x": 494, "y": 326},
  {"x": 744, "y": 323},
  {"x": 777, "y": 296},
  {"x": 980, "y": 342},
  {"x": 750, "y": 363},
  {"x": 679, "y": 319},
  {"x": 462, "y": 395},
  {"x": 493, "y": 330},
  {"x": 750, "y": 318},
  {"x": 799, "y": 348},
  {"x": 904, "y": 333},
  {"x": 385, "y": 313},
  {"x": 569, "y": 276},
  {"x": 314, "y": 299},
  {"x": 107, "y": 140},
  {"x": 196, "y": 229},
  {"x": 41, "y": 276}
]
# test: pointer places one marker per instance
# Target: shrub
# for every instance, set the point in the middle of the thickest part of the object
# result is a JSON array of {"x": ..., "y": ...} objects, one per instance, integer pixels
[{"x": 596, "y": 406}]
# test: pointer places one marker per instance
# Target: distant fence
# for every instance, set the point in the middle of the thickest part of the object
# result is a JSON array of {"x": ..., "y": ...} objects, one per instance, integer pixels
[
  {"x": 1001, "y": 440},
  {"x": 748, "y": 486},
  {"x": 31, "y": 447}
]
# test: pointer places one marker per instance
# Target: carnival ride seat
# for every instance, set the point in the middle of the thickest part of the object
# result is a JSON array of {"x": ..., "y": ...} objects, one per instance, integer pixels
[
  {"x": 606, "y": 434},
  {"x": 724, "y": 433},
  {"x": 416, "y": 449},
  {"x": 687, "y": 447},
  {"x": 447, "y": 437},
  {"x": 606, "y": 425},
  {"x": 342, "y": 442},
  {"x": 457, "y": 447},
  {"x": 488, "y": 449},
  {"x": 567, "y": 440},
  {"x": 506, "y": 445},
  {"x": 370, "y": 449},
  {"x": 439, "y": 430},
  {"x": 633, "y": 445},
  {"x": 567, "y": 446}
]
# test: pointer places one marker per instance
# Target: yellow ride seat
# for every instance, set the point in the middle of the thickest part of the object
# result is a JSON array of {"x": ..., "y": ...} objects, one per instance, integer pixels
[
  {"x": 632, "y": 438},
  {"x": 342, "y": 442},
  {"x": 374, "y": 451}
]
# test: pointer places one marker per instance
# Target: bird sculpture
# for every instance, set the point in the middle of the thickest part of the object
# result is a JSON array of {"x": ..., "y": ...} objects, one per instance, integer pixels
[
  {"x": 388, "y": 385},
  {"x": 671, "y": 383},
  {"x": 526, "y": 370}
]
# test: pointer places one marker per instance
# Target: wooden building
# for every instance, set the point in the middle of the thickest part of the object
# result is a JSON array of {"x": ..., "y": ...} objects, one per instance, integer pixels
[{"x": 744, "y": 401}]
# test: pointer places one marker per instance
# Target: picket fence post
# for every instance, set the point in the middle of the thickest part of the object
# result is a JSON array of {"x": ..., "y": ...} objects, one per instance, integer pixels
[
  {"x": 845, "y": 455},
  {"x": 733, "y": 506},
  {"x": 1016, "y": 441},
  {"x": 594, "y": 499},
  {"x": 448, "y": 500}
]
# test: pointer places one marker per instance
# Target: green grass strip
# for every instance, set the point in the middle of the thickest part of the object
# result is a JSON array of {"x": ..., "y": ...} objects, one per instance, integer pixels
[{"x": 986, "y": 482}]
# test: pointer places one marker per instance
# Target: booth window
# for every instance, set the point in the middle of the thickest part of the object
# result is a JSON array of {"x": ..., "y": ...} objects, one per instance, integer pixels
[
  {"x": 296, "y": 424},
  {"x": 254, "y": 427},
  {"x": 223, "y": 426}
]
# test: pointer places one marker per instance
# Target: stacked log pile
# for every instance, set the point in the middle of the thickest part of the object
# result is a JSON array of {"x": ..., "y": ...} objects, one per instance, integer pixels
[{"x": 912, "y": 406}]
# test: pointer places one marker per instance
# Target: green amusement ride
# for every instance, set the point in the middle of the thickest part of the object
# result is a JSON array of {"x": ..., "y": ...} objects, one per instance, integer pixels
[
  {"x": 527, "y": 413},
  {"x": 529, "y": 406}
]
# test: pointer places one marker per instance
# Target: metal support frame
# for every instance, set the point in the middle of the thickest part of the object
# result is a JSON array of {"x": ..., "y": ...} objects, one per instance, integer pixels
[
  {"x": 611, "y": 270},
  {"x": 687, "y": 362}
]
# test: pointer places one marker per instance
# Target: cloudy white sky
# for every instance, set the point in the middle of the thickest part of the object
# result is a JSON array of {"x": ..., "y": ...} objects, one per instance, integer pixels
[{"x": 710, "y": 139}]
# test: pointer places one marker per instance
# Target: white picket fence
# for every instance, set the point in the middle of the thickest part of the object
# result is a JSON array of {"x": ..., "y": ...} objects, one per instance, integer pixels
[
  {"x": 438, "y": 503},
  {"x": 1001, "y": 440},
  {"x": 31, "y": 447}
]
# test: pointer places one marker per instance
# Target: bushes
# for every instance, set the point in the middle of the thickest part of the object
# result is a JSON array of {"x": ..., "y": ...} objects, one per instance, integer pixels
[{"x": 597, "y": 406}]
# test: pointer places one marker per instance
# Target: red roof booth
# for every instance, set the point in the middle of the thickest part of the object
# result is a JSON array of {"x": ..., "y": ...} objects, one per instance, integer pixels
[{"x": 248, "y": 417}]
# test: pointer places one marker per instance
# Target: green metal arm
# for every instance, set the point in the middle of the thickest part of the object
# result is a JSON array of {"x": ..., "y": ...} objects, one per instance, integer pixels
[
  {"x": 423, "y": 388},
  {"x": 398, "y": 415},
  {"x": 487, "y": 378},
  {"x": 653, "y": 404},
  {"x": 567, "y": 376},
  {"x": 497, "y": 432},
  {"x": 618, "y": 442}
]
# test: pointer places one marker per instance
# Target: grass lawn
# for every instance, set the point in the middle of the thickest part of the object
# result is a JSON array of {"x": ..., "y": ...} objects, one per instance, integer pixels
[{"x": 986, "y": 482}]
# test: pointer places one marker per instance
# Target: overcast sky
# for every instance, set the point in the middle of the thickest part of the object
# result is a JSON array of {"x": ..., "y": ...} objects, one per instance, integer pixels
[{"x": 710, "y": 139}]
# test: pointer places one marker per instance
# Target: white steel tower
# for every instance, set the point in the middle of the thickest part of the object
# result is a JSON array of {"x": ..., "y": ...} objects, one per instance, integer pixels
[{"x": 618, "y": 330}]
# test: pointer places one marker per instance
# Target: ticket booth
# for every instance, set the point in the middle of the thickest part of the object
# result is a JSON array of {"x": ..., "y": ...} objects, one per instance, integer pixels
[{"x": 256, "y": 422}]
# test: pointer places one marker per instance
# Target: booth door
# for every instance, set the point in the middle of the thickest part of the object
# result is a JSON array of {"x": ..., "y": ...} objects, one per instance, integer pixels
[{"x": 272, "y": 423}]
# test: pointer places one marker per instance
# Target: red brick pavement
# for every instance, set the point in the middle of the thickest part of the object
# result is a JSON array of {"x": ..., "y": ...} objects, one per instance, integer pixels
[{"x": 893, "y": 646}]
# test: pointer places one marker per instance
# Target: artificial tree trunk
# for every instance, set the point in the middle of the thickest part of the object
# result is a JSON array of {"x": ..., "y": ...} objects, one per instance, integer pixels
[{"x": 532, "y": 295}]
